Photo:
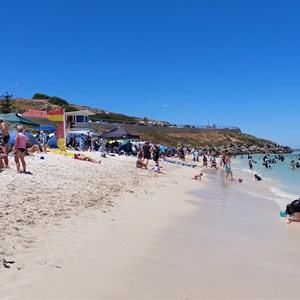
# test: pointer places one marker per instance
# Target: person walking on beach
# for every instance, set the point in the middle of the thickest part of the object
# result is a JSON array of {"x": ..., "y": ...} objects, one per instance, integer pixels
[
  {"x": 228, "y": 169},
  {"x": 5, "y": 135},
  {"x": 20, "y": 148}
]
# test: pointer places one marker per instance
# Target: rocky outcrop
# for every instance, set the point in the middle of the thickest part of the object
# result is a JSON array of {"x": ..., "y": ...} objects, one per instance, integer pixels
[{"x": 239, "y": 149}]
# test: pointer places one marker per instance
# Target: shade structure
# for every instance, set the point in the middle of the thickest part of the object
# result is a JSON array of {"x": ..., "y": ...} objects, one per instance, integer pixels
[
  {"x": 17, "y": 119},
  {"x": 118, "y": 133},
  {"x": 52, "y": 143},
  {"x": 32, "y": 140},
  {"x": 45, "y": 128}
]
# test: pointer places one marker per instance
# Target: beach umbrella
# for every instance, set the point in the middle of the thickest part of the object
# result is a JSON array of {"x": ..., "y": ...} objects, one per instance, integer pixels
[
  {"x": 32, "y": 140},
  {"x": 45, "y": 128}
]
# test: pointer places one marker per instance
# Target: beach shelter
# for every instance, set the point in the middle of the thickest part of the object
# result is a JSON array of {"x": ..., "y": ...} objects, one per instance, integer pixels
[
  {"x": 30, "y": 138},
  {"x": 52, "y": 143},
  {"x": 17, "y": 119},
  {"x": 118, "y": 133},
  {"x": 45, "y": 128}
]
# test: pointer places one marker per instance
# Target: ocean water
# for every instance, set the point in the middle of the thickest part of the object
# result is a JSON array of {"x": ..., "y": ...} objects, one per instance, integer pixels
[{"x": 281, "y": 181}]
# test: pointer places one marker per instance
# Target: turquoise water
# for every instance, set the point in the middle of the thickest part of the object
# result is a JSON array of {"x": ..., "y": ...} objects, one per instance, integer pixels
[{"x": 283, "y": 181}]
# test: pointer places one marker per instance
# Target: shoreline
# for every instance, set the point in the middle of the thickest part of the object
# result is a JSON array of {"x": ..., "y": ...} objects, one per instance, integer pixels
[{"x": 176, "y": 238}]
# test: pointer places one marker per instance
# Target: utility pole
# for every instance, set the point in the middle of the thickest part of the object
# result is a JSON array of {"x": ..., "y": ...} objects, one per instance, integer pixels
[{"x": 17, "y": 95}]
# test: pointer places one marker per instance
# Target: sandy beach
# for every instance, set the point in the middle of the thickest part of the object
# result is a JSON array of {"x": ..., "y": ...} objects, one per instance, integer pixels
[{"x": 79, "y": 230}]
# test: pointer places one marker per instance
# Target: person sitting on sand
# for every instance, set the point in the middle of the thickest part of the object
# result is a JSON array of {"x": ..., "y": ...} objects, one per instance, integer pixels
[
  {"x": 140, "y": 162},
  {"x": 197, "y": 176},
  {"x": 80, "y": 156},
  {"x": 156, "y": 168},
  {"x": 31, "y": 150},
  {"x": 257, "y": 177},
  {"x": 293, "y": 209}
]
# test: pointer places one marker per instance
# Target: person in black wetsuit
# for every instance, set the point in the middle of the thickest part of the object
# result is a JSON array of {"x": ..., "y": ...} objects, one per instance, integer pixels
[{"x": 293, "y": 209}]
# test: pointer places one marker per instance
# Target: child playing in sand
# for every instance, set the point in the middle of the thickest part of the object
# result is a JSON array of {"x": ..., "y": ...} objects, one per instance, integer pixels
[
  {"x": 156, "y": 168},
  {"x": 197, "y": 176},
  {"x": 140, "y": 162}
]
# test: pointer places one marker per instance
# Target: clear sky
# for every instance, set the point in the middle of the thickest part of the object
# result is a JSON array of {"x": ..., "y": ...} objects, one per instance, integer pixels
[{"x": 229, "y": 63}]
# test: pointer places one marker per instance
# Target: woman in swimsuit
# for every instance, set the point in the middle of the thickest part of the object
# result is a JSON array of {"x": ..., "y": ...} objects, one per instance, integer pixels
[{"x": 20, "y": 148}]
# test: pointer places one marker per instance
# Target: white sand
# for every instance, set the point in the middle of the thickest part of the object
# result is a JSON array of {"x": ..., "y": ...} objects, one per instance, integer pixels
[{"x": 79, "y": 230}]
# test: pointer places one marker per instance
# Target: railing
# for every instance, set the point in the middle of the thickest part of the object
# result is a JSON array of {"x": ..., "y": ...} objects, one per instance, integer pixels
[
  {"x": 154, "y": 124},
  {"x": 78, "y": 126}
]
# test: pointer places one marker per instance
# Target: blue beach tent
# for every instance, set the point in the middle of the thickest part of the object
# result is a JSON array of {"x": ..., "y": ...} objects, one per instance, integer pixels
[
  {"x": 30, "y": 138},
  {"x": 52, "y": 143}
]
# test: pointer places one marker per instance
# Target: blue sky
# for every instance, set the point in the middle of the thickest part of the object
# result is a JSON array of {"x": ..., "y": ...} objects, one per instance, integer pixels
[{"x": 229, "y": 63}]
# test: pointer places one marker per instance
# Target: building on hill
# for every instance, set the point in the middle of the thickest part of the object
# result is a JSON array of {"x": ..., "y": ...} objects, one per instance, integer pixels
[{"x": 35, "y": 113}]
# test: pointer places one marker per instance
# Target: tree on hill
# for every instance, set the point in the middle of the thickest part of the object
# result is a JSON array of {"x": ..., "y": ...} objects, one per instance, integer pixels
[
  {"x": 56, "y": 101},
  {"x": 6, "y": 103},
  {"x": 40, "y": 96}
]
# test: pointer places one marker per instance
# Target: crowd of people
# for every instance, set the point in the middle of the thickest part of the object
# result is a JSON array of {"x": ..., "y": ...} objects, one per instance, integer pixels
[{"x": 143, "y": 151}]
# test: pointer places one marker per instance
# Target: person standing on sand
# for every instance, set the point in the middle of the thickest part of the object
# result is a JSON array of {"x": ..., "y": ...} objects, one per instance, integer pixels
[
  {"x": 204, "y": 164},
  {"x": 146, "y": 152},
  {"x": 20, "y": 148},
  {"x": 43, "y": 141},
  {"x": 5, "y": 135},
  {"x": 3, "y": 159},
  {"x": 155, "y": 154},
  {"x": 90, "y": 141}
]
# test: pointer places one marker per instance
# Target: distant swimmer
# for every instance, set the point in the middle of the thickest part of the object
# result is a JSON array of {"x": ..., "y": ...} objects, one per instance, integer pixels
[
  {"x": 257, "y": 177},
  {"x": 293, "y": 211},
  {"x": 293, "y": 164}
]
